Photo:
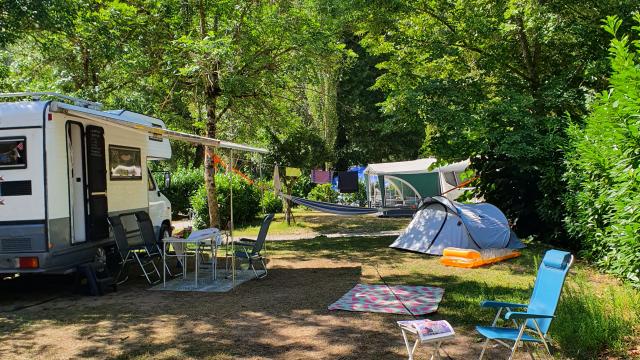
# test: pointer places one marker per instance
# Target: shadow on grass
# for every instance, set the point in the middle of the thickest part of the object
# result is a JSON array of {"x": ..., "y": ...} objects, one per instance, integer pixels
[
  {"x": 265, "y": 318},
  {"x": 282, "y": 316}
]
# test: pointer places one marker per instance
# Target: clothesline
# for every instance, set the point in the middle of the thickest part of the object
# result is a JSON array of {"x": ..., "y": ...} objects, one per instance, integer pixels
[{"x": 347, "y": 180}]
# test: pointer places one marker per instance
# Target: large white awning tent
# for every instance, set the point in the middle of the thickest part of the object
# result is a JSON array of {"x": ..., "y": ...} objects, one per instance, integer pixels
[
  {"x": 420, "y": 166},
  {"x": 441, "y": 223},
  {"x": 405, "y": 183}
]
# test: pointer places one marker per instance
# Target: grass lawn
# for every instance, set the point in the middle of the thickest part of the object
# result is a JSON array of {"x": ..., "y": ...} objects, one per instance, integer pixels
[
  {"x": 313, "y": 223},
  {"x": 284, "y": 316}
]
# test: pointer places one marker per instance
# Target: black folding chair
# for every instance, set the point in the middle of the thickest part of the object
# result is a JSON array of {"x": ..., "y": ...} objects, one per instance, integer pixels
[
  {"x": 251, "y": 250},
  {"x": 131, "y": 250},
  {"x": 120, "y": 236},
  {"x": 152, "y": 244}
]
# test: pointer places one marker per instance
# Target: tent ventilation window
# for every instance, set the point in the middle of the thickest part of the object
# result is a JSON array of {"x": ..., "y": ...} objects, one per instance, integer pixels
[{"x": 450, "y": 178}]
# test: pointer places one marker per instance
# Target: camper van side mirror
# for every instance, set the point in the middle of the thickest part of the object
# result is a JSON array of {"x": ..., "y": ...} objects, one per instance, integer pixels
[{"x": 167, "y": 180}]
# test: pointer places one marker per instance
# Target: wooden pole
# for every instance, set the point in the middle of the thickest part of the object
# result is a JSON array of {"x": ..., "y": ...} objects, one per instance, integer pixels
[{"x": 233, "y": 250}]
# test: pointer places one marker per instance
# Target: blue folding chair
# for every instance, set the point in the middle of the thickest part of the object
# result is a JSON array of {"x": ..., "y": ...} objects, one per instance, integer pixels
[{"x": 532, "y": 325}]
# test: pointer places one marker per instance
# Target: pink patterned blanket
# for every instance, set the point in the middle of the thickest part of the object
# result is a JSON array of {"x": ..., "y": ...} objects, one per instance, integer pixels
[{"x": 379, "y": 298}]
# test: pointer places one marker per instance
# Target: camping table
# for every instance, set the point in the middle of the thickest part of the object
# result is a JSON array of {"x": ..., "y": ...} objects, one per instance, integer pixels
[
  {"x": 201, "y": 237},
  {"x": 436, "y": 342}
]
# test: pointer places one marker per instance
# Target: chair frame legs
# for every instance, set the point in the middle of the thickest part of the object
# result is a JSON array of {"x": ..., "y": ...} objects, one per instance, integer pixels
[
  {"x": 514, "y": 347},
  {"x": 252, "y": 265},
  {"x": 144, "y": 270},
  {"x": 264, "y": 266},
  {"x": 123, "y": 264},
  {"x": 166, "y": 266}
]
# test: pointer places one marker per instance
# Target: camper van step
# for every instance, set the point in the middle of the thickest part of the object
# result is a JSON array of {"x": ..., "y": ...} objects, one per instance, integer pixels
[{"x": 97, "y": 282}]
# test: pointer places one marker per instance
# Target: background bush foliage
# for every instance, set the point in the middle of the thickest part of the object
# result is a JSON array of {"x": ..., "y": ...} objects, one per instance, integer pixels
[
  {"x": 246, "y": 202},
  {"x": 324, "y": 193},
  {"x": 184, "y": 184},
  {"x": 270, "y": 203},
  {"x": 603, "y": 167},
  {"x": 492, "y": 81}
]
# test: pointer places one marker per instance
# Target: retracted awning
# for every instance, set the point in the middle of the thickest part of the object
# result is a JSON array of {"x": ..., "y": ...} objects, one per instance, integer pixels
[{"x": 146, "y": 124}]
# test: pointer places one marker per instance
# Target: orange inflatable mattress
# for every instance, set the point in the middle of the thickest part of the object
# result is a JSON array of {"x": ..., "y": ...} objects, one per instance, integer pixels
[{"x": 467, "y": 258}]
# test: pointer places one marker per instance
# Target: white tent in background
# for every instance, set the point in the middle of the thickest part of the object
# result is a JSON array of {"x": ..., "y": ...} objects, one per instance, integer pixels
[
  {"x": 405, "y": 183},
  {"x": 420, "y": 166}
]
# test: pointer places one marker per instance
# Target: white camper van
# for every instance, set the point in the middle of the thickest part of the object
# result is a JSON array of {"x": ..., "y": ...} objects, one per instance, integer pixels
[{"x": 65, "y": 167}]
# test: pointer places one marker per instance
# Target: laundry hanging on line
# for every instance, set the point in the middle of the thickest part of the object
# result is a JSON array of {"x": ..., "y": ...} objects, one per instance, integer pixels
[
  {"x": 321, "y": 176},
  {"x": 348, "y": 181},
  {"x": 277, "y": 186},
  {"x": 292, "y": 172}
]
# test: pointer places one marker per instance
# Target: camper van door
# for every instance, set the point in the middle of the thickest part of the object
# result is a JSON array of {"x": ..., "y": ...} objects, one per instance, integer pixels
[{"x": 77, "y": 182}]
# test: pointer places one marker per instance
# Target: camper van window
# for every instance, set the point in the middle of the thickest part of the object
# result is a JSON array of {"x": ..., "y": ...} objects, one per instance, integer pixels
[
  {"x": 150, "y": 183},
  {"x": 13, "y": 153},
  {"x": 124, "y": 163}
]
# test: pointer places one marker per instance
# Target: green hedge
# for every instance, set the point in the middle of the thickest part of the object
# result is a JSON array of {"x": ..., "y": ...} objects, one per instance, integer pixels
[
  {"x": 270, "y": 203},
  {"x": 302, "y": 186},
  {"x": 184, "y": 184},
  {"x": 246, "y": 202},
  {"x": 603, "y": 169},
  {"x": 358, "y": 198},
  {"x": 324, "y": 193}
]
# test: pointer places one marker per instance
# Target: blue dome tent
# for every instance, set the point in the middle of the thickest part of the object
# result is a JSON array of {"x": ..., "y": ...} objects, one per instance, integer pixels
[{"x": 440, "y": 223}]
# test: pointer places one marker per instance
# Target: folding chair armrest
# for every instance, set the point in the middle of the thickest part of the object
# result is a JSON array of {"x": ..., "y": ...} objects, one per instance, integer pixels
[
  {"x": 247, "y": 240},
  {"x": 513, "y": 315},
  {"x": 499, "y": 304}
]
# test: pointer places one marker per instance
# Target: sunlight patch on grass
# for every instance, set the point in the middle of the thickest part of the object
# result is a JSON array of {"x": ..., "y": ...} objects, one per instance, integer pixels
[
  {"x": 591, "y": 320},
  {"x": 315, "y": 223}
]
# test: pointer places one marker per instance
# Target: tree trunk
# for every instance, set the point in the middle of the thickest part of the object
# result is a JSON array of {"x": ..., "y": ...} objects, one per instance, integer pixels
[
  {"x": 209, "y": 167},
  {"x": 288, "y": 215},
  {"x": 530, "y": 53},
  {"x": 198, "y": 157},
  {"x": 211, "y": 94}
]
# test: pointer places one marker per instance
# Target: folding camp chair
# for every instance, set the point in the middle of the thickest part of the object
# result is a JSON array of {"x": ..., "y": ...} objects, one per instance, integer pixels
[
  {"x": 533, "y": 324},
  {"x": 251, "y": 249},
  {"x": 122, "y": 246},
  {"x": 129, "y": 252},
  {"x": 151, "y": 241}
]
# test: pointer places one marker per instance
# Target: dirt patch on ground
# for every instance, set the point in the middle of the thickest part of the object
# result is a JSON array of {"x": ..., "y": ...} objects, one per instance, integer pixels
[{"x": 284, "y": 316}]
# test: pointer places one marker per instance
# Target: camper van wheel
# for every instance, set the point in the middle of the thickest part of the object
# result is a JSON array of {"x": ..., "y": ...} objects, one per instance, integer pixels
[{"x": 100, "y": 259}]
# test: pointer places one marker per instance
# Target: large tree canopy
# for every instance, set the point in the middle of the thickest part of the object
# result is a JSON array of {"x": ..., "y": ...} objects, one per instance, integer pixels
[
  {"x": 496, "y": 82},
  {"x": 507, "y": 83}
]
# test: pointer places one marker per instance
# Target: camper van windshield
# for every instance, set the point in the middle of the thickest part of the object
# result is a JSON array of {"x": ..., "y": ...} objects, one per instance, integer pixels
[{"x": 13, "y": 153}]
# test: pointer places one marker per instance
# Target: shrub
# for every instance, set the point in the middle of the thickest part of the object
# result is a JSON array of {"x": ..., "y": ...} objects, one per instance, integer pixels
[
  {"x": 270, "y": 203},
  {"x": 302, "y": 186},
  {"x": 246, "y": 202},
  {"x": 184, "y": 184},
  {"x": 358, "y": 198},
  {"x": 324, "y": 193},
  {"x": 588, "y": 324},
  {"x": 603, "y": 169}
]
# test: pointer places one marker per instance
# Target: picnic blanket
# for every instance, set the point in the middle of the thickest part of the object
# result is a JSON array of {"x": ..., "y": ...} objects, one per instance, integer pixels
[{"x": 419, "y": 300}]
